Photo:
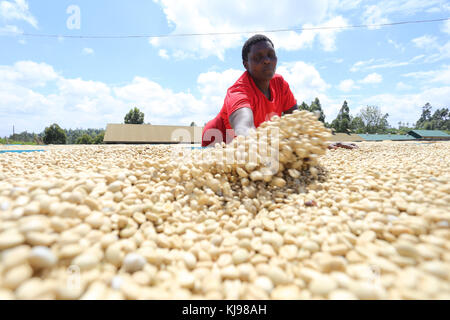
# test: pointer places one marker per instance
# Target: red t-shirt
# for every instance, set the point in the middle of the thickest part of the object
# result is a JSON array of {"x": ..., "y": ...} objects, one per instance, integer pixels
[{"x": 245, "y": 94}]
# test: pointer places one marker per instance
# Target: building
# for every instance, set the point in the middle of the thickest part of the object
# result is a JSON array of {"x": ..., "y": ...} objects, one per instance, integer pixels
[
  {"x": 150, "y": 134},
  {"x": 429, "y": 135},
  {"x": 346, "y": 137},
  {"x": 387, "y": 137}
]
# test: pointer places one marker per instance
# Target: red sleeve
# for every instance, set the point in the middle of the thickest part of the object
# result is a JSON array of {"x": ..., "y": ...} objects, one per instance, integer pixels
[
  {"x": 289, "y": 100},
  {"x": 237, "y": 98}
]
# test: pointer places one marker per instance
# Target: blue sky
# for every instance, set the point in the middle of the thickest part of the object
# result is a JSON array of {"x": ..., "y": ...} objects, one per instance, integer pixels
[{"x": 87, "y": 83}]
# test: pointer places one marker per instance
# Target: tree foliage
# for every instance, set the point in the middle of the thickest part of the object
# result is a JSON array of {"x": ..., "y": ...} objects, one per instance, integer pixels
[
  {"x": 357, "y": 125},
  {"x": 99, "y": 138},
  {"x": 74, "y": 134},
  {"x": 84, "y": 139},
  {"x": 303, "y": 106},
  {"x": 425, "y": 116},
  {"x": 342, "y": 123},
  {"x": 23, "y": 136},
  {"x": 54, "y": 135},
  {"x": 316, "y": 107},
  {"x": 440, "y": 120},
  {"x": 134, "y": 116},
  {"x": 374, "y": 121}
]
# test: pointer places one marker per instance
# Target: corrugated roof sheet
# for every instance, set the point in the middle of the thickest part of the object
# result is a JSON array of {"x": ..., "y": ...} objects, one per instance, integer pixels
[
  {"x": 145, "y": 133},
  {"x": 381, "y": 137},
  {"x": 430, "y": 133},
  {"x": 345, "y": 137}
]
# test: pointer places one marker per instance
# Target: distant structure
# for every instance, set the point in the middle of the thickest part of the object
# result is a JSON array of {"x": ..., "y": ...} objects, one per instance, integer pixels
[
  {"x": 387, "y": 137},
  {"x": 346, "y": 137},
  {"x": 413, "y": 135},
  {"x": 429, "y": 135},
  {"x": 151, "y": 134}
]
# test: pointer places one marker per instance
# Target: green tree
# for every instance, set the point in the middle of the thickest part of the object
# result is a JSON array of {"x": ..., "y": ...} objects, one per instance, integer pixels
[
  {"x": 84, "y": 139},
  {"x": 425, "y": 116},
  {"x": 22, "y": 137},
  {"x": 374, "y": 120},
  {"x": 304, "y": 106},
  {"x": 428, "y": 125},
  {"x": 342, "y": 121},
  {"x": 441, "y": 119},
  {"x": 357, "y": 125},
  {"x": 73, "y": 135},
  {"x": 134, "y": 116},
  {"x": 99, "y": 138},
  {"x": 193, "y": 124},
  {"x": 54, "y": 135},
  {"x": 316, "y": 107}
]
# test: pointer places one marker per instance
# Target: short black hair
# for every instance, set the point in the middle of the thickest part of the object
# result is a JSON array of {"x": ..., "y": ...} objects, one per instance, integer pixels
[{"x": 251, "y": 41}]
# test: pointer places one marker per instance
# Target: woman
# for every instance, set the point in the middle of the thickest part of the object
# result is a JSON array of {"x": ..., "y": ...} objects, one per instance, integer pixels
[{"x": 254, "y": 98}]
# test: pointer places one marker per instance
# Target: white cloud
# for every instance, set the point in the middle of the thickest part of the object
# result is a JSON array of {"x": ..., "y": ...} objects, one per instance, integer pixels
[
  {"x": 217, "y": 17},
  {"x": 443, "y": 53},
  {"x": 446, "y": 27},
  {"x": 78, "y": 88},
  {"x": 85, "y": 103},
  {"x": 373, "y": 16},
  {"x": 442, "y": 7},
  {"x": 402, "y": 86},
  {"x": 10, "y": 30},
  {"x": 344, "y": 5},
  {"x": 163, "y": 54},
  {"x": 306, "y": 84},
  {"x": 431, "y": 44},
  {"x": 360, "y": 64},
  {"x": 80, "y": 103},
  {"x": 397, "y": 45},
  {"x": 304, "y": 80},
  {"x": 425, "y": 42},
  {"x": 87, "y": 51},
  {"x": 441, "y": 76},
  {"x": 408, "y": 107},
  {"x": 214, "y": 85},
  {"x": 156, "y": 100},
  {"x": 408, "y": 7},
  {"x": 433, "y": 10},
  {"x": 347, "y": 85},
  {"x": 372, "y": 78},
  {"x": 382, "y": 63},
  {"x": 27, "y": 74},
  {"x": 17, "y": 10},
  {"x": 328, "y": 37},
  {"x": 378, "y": 13}
]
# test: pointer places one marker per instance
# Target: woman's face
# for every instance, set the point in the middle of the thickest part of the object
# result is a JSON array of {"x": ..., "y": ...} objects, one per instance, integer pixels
[{"x": 262, "y": 61}]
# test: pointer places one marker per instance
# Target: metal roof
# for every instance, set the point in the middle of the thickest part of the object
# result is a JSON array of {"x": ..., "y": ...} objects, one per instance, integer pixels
[
  {"x": 429, "y": 133},
  {"x": 146, "y": 133},
  {"x": 345, "y": 137},
  {"x": 381, "y": 137}
]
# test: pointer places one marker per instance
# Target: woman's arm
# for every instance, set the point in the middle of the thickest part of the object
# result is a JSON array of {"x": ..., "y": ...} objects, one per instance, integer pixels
[{"x": 241, "y": 121}]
